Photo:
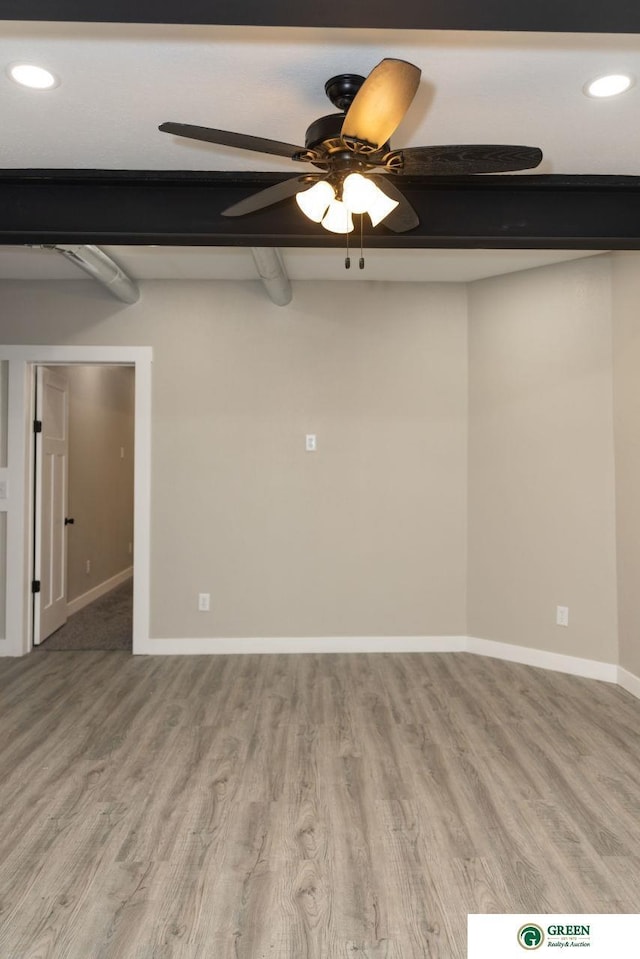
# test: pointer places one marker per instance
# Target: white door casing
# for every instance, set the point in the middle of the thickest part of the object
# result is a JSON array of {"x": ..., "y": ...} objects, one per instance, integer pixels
[
  {"x": 19, "y": 475},
  {"x": 51, "y": 495}
]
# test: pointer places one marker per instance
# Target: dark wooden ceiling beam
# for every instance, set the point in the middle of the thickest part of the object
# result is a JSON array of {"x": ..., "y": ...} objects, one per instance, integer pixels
[
  {"x": 184, "y": 208},
  {"x": 571, "y": 16}
]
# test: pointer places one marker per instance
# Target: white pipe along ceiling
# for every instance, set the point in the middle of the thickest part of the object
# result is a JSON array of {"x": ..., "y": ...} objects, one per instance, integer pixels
[
  {"x": 101, "y": 267},
  {"x": 271, "y": 271}
]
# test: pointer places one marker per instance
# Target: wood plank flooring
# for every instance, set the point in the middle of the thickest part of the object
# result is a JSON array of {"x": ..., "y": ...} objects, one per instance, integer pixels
[{"x": 305, "y": 807}]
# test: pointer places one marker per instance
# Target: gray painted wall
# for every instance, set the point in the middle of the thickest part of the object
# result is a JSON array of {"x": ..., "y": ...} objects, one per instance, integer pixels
[
  {"x": 369, "y": 535},
  {"x": 626, "y": 366},
  {"x": 541, "y": 460},
  {"x": 4, "y": 422}
]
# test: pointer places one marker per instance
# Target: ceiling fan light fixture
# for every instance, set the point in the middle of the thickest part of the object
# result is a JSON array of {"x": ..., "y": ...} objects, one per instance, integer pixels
[
  {"x": 315, "y": 202},
  {"x": 357, "y": 142},
  {"x": 338, "y": 218},
  {"x": 611, "y": 85},
  {"x": 32, "y": 76}
]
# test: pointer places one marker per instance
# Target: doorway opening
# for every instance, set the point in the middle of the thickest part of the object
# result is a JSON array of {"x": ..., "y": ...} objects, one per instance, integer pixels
[
  {"x": 17, "y": 478},
  {"x": 83, "y": 506}
]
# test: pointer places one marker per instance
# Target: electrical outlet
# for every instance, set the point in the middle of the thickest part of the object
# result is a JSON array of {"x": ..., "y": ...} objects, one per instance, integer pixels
[
  {"x": 204, "y": 602},
  {"x": 562, "y": 615},
  {"x": 310, "y": 443},
  {"x": 88, "y": 566}
]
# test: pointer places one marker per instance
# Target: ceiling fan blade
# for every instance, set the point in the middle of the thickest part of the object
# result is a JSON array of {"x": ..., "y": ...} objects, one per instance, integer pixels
[
  {"x": 272, "y": 194},
  {"x": 470, "y": 158},
  {"x": 404, "y": 217},
  {"x": 381, "y": 102},
  {"x": 228, "y": 139}
]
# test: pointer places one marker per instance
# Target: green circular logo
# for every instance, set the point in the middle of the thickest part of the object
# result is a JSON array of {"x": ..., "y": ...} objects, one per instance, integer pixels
[{"x": 530, "y": 936}]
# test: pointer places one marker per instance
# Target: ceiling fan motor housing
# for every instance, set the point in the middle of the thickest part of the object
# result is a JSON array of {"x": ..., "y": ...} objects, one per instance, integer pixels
[
  {"x": 327, "y": 131},
  {"x": 324, "y": 129}
]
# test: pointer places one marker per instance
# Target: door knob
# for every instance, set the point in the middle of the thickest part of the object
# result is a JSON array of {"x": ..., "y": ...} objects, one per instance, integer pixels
[{"x": 69, "y": 521}]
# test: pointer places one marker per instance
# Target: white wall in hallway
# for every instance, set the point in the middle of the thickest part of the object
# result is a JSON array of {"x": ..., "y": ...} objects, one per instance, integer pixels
[{"x": 101, "y": 435}]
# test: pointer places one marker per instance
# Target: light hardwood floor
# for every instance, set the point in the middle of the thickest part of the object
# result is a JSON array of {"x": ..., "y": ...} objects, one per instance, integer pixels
[{"x": 305, "y": 807}]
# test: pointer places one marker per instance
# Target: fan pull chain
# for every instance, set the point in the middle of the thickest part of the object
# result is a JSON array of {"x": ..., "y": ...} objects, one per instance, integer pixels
[
  {"x": 347, "y": 259},
  {"x": 361, "y": 251}
]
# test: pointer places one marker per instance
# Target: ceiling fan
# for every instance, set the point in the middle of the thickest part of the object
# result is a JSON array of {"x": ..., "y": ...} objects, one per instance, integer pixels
[{"x": 353, "y": 153}]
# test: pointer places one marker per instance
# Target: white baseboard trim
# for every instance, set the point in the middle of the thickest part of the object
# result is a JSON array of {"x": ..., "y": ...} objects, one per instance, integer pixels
[
  {"x": 541, "y": 658},
  {"x": 561, "y": 663},
  {"x": 302, "y": 644},
  {"x": 629, "y": 681},
  {"x": 92, "y": 594}
]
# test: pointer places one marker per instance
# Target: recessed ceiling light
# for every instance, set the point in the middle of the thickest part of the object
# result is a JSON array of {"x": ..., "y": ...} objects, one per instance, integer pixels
[
  {"x": 609, "y": 86},
  {"x": 29, "y": 75}
]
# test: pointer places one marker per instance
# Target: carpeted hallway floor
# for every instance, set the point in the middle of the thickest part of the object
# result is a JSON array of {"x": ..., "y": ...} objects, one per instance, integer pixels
[{"x": 106, "y": 624}]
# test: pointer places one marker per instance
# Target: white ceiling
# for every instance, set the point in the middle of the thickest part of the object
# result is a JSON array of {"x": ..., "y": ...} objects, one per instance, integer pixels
[
  {"x": 119, "y": 82},
  {"x": 236, "y": 263}
]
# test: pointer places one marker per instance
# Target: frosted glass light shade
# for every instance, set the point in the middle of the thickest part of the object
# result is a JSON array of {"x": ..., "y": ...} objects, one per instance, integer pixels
[
  {"x": 314, "y": 202},
  {"x": 361, "y": 195},
  {"x": 358, "y": 193},
  {"x": 338, "y": 218},
  {"x": 382, "y": 206}
]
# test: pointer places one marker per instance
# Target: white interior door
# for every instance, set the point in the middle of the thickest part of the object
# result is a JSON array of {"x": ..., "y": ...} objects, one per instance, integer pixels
[{"x": 52, "y": 455}]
